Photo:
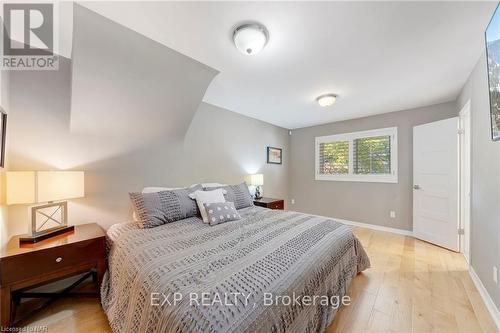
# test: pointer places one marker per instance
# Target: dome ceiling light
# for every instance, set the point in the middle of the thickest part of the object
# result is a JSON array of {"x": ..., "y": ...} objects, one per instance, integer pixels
[
  {"x": 326, "y": 100},
  {"x": 250, "y": 38}
]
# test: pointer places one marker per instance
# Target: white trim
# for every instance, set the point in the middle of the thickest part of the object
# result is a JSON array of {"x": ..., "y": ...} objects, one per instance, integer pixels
[
  {"x": 351, "y": 177},
  {"x": 357, "y": 135},
  {"x": 359, "y": 178},
  {"x": 465, "y": 174},
  {"x": 376, "y": 227},
  {"x": 368, "y": 226},
  {"x": 490, "y": 305}
]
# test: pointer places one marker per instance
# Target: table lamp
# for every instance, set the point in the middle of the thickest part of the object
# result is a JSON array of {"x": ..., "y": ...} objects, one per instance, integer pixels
[
  {"x": 49, "y": 189},
  {"x": 257, "y": 180}
]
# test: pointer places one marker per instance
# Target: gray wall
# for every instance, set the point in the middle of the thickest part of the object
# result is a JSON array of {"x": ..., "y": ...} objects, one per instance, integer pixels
[
  {"x": 219, "y": 145},
  {"x": 360, "y": 201},
  {"x": 485, "y": 212},
  {"x": 129, "y": 125}
]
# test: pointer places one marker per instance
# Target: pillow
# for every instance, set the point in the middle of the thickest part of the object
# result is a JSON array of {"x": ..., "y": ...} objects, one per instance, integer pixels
[
  {"x": 238, "y": 194},
  {"x": 203, "y": 197},
  {"x": 221, "y": 212},
  {"x": 212, "y": 185},
  {"x": 154, "y": 209},
  {"x": 153, "y": 189}
]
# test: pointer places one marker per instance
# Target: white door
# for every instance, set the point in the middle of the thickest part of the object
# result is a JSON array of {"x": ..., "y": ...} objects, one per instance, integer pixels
[{"x": 436, "y": 183}]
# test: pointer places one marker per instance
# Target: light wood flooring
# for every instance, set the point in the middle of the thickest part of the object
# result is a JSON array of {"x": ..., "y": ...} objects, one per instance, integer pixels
[{"x": 412, "y": 286}]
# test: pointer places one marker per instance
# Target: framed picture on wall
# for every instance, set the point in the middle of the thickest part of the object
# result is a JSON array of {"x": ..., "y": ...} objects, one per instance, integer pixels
[
  {"x": 3, "y": 129},
  {"x": 493, "y": 59},
  {"x": 274, "y": 155}
]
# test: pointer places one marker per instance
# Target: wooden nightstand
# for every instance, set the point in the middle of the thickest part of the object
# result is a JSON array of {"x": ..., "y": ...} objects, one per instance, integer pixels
[
  {"x": 270, "y": 203},
  {"x": 23, "y": 267}
]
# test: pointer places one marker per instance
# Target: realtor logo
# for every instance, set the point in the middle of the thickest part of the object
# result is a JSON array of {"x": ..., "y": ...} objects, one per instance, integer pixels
[{"x": 28, "y": 37}]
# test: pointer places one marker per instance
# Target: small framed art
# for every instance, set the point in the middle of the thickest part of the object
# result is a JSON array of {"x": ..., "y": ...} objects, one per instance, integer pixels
[{"x": 274, "y": 155}]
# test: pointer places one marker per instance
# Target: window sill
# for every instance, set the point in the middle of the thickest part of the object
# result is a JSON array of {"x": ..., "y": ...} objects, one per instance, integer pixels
[{"x": 360, "y": 178}]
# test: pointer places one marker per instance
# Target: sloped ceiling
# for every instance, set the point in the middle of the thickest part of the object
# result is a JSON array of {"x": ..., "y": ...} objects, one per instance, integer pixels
[
  {"x": 379, "y": 56},
  {"x": 126, "y": 86}
]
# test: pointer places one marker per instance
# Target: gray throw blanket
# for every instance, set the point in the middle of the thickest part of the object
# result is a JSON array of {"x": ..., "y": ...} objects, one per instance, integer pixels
[{"x": 271, "y": 271}]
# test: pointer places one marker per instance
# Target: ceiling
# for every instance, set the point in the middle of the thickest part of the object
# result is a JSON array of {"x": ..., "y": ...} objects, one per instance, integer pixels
[{"x": 377, "y": 56}]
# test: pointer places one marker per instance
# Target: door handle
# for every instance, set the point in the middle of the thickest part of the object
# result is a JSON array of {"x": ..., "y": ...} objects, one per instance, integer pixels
[{"x": 416, "y": 187}]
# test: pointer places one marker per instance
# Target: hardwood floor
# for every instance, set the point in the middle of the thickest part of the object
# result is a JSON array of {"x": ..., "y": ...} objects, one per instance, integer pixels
[{"x": 412, "y": 286}]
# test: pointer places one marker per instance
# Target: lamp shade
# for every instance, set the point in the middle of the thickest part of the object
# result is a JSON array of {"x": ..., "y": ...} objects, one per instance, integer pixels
[
  {"x": 257, "y": 179},
  {"x": 27, "y": 187},
  {"x": 20, "y": 186}
]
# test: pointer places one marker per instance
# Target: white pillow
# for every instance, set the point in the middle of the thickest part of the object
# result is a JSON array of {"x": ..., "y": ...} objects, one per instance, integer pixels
[
  {"x": 205, "y": 185},
  {"x": 158, "y": 189},
  {"x": 202, "y": 197},
  {"x": 154, "y": 189}
]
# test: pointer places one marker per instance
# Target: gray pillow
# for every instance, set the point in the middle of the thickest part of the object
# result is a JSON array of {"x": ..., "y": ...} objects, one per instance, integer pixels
[
  {"x": 154, "y": 209},
  {"x": 221, "y": 212},
  {"x": 238, "y": 194}
]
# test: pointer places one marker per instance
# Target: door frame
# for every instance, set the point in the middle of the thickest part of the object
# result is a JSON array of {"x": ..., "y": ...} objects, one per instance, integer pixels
[{"x": 465, "y": 166}]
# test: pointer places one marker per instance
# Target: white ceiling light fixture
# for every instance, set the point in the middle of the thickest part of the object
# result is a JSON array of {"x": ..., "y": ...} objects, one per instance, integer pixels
[
  {"x": 250, "y": 38},
  {"x": 326, "y": 100}
]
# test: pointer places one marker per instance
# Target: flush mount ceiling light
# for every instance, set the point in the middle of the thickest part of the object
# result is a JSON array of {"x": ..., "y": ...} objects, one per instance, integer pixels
[
  {"x": 250, "y": 38},
  {"x": 326, "y": 100}
]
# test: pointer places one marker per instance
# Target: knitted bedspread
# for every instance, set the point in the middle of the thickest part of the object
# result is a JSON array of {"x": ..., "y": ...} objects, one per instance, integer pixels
[{"x": 271, "y": 271}]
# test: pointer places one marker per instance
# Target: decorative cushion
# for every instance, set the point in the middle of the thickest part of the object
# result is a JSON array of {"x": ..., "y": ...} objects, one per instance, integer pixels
[
  {"x": 238, "y": 194},
  {"x": 153, "y": 189},
  {"x": 203, "y": 197},
  {"x": 221, "y": 212},
  {"x": 154, "y": 209}
]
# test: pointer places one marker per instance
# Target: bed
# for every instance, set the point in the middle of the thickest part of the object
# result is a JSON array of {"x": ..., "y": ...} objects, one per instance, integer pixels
[{"x": 257, "y": 274}]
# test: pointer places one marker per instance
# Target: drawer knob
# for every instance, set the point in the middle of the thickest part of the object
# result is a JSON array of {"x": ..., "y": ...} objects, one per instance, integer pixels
[{"x": 58, "y": 259}]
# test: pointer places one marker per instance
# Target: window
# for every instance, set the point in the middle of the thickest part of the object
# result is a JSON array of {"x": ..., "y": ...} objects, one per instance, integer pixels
[
  {"x": 369, "y": 156},
  {"x": 334, "y": 157}
]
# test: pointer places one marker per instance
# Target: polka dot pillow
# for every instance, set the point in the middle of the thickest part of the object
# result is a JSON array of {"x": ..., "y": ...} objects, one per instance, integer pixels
[{"x": 221, "y": 212}]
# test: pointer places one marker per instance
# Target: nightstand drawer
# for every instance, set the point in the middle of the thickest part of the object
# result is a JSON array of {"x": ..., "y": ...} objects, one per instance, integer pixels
[
  {"x": 277, "y": 205},
  {"x": 35, "y": 264},
  {"x": 270, "y": 203}
]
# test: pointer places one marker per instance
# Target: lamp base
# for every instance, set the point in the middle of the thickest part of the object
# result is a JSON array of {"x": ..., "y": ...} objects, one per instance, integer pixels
[
  {"x": 257, "y": 195},
  {"x": 41, "y": 236}
]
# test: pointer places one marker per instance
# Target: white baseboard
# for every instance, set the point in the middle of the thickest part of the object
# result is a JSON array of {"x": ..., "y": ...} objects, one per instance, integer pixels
[
  {"x": 369, "y": 226},
  {"x": 376, "y": 227},
  {"x": 490, "y": 305}
]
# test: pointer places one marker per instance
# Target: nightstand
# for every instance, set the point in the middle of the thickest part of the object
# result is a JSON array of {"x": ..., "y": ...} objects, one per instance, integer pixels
[
  {"x": 270, "y": 203},
  {"x": 24, "y": 267}
]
